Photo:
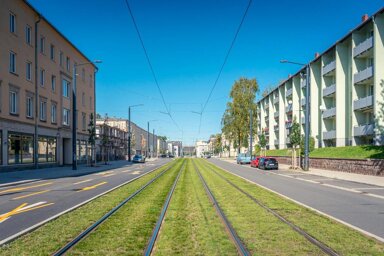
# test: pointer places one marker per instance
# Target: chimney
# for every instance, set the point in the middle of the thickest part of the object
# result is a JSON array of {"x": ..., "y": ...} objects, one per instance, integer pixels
[
  {"x": 364, "y": 18},
  {"x": 317, "y": 55}
]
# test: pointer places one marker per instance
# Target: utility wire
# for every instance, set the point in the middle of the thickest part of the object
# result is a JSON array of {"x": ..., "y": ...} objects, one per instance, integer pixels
[
  {"x": 149, "y": 63},
  {"x": 226, "y": 56}
]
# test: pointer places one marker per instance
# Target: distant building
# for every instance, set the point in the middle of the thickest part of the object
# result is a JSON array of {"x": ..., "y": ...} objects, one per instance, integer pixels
[
  {"x": 201, "y": 148},
  {"x": 111, "y": 142},
  {"x": 189, "y": 150},
  {"x": 175, "y": 148}
]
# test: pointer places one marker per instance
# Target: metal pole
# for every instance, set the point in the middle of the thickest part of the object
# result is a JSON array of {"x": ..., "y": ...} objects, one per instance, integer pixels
[
  {"x": 74, "y": 121},
  {"x": 307, "y": 91},
  {"x": 129, "y": 134},
  {"x": 148, "y": 140},
  {"x": 250, "y": 132}
]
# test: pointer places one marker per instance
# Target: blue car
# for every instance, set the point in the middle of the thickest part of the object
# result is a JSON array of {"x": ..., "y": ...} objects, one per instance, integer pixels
[
  {"x": 138, "y": 159},
  {"x": 243, "y": 158}
]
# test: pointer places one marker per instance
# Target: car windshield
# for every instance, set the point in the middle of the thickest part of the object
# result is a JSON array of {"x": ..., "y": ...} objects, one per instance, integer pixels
[
  {"x": 137, "y": 156},
  {"x": 272, "y": 160}
]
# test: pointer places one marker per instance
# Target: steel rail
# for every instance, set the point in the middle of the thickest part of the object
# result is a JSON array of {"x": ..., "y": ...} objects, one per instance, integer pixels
[
  {"x": 241, "y": 248},
  {"x": 83, "y": 234},
  {"x": 156, "y": 230},
  {"x": 326, "y": 249}
]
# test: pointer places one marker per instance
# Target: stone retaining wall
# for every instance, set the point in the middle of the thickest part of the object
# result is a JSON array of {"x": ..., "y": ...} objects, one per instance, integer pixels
[{"x": 367, "y": 167}]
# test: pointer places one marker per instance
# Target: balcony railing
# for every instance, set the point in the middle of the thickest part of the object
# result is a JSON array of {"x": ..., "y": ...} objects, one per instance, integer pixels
[
  {"x": 276, "y": 142},
  {"x": 289, "y": 92},
  {"x": 276, "y": 100},
  {"x": 303, "y": 83},
  {"x": 363, "y": 46},
  {"x": 329, "y": 67},
  {"x": 276, "y": 127},
  {"x": 288, "y": 108},
  {"x": 327, "y": 91},
  {"x": 288, "y": 124},
  {"x": 328, "y": 113},
  {"x": 329, "y": 135},
  {"x": 276, "y": 114},
  {"x": 303, "y": 102},
  {"x": 363, "y": 75},
  {"x": 363, "y": 103},
  {"x": 364, "y": 130}
]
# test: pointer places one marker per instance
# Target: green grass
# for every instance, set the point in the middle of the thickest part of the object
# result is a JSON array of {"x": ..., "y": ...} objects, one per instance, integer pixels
[
  {"x": 352, "y": 152},
  {"x": 278, "y": 152},
  {"x": 262, "y": 233},
  {"x": 53, "y": 235},
  {"x": 191, "y": 225},
  {"x": 344, "y": 240}
]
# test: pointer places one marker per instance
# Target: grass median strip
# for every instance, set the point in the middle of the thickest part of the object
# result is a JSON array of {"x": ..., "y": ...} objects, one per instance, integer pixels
[
  {"x": 344, "y": 240},
  {"x": 262, "y": 233},
  {"x": 128, "y": 230},
  {"x": 191, "y": 226},
  {"x": 54, "y": 234}
]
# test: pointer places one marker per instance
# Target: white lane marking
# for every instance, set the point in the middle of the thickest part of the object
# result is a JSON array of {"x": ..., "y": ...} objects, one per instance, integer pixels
[
  {"x": 108, "y": 175},
  {"x": 31, "y": 228},
  {"x": 368, "y": 188},
  {"x": 18, "y": 182},
  {"x": 374, "y": 195},
  {"x": 83, "y": 181},
  {"x": 311, "y": 208}
]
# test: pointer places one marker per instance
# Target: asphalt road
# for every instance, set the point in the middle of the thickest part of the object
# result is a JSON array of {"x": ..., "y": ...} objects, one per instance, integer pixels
[
  {"x": 26, "y": 205},
  {"x": 359, "y": 205}
]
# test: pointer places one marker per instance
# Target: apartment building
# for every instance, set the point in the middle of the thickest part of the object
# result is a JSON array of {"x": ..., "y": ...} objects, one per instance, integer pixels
[
  {"x": 346, "y": 93},
  {"x": 36, "y": 78},
  {"x": 111, "y": 142}
]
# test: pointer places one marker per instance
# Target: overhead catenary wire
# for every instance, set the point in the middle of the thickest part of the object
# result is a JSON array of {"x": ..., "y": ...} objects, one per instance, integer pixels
[{"x": 150, "y": 63}]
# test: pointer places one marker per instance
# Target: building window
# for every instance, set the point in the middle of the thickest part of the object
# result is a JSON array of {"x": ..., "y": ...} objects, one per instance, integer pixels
[
  {"x": 46, "y": 149},
  {"x": 65, "y": 88},
  {"x": 29, "y": 107},
  {"x": 68, "y": 64},
  {"x": 83, "y": 99},
  {"x": 90, "y": 81},
  {"x": 42, "y": 77},
  {"x": 83, "y": 75},
  {"x": 42, "y": 44},
  {"x": 29, "y": 71},
  {"x": 12, "y": 23},
  {"x": 28, "y": 35},
  {"x": 52, "y": 52},
  {"x": 65, "y": 116},
  {"x": 13, "y": 102},
  {"x": 20, "y": 148},
  {"x": 53, "y": 83},
  {"x": 12, "y": 62},
  {"x": 90, "y": 102},
  {"x": 43, "y": 110},
  {"x": 53, "y": 113},
  {"x": 84, "y": 121},
  {"x": 61, "y": 56}
]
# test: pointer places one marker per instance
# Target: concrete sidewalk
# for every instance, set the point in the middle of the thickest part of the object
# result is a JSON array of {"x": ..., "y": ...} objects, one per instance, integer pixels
[
  {"x": 26, "y": 176},
  {"x": 366, "y": 179}
]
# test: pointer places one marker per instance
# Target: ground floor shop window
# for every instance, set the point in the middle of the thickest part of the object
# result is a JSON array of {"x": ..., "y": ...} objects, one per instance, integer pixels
[
  {"x": 47, "y": 149},
  {"x": 82, "y": 150},
  {"x": 20, "y": 148}
]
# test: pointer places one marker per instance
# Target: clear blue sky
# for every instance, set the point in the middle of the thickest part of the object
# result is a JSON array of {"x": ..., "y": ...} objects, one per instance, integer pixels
[{"x": 187, "y": 42}]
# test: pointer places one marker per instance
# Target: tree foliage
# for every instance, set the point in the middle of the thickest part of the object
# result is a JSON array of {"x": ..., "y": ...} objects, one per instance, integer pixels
[
  {"x": 295, "y": 135},
  {"x": 311, "y": 145},
  {"x": 218, "y": 144},
  {"x": 236, "y": 118}
]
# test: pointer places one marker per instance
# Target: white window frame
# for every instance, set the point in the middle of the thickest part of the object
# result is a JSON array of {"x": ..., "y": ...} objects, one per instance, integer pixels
[
  {"x": 28, "y": 35},
  {"x": 12, "y": 22},
  {"x": 53, "y": 113},
  {"x": 66, "y": 90},
  {"x": 12, "y": 62},
  {"x": 13, "y": 102},
  {"x": 29, "y": 110},
  {"x": 66, "y": 114},
  {"x": 43, "y": 110},
  {"x": 28, "y": 71}
]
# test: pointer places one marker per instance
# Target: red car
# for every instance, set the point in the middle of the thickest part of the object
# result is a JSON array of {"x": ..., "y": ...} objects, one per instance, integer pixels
[{"x": 255, "y": 162}]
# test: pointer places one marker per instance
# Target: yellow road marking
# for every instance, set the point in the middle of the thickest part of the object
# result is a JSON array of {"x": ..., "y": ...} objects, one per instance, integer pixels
[
  {"x": 111, "y": 174},
  {"x": 136, "y": 172},
  {"x": 83, "y": 181},
  {"x": 24, "y": 188},
  {"x": 32, "y": 194},
  {"x": 94, "y": 186},
  {"x": 126, "y": 171},
  {"x": 23, "y": 208}
]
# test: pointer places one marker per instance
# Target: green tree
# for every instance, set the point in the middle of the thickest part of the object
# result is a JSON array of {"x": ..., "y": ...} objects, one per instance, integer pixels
[
  {"x": 295, "y": 140},
  {"x": 218, "y": 146},
  {"x": 236, "y": 118},
  {"x": 379, "y": 121},
  {"x": 92, "y": 137},
  {"x": 311, "y": 145},
  {"x": 105, "y": 140},
  {"x": 263, "y": 143}
]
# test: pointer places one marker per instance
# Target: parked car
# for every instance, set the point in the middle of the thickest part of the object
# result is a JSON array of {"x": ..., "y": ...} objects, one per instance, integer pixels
[
  {"x": 138, "y": 159},
  {"x": 255, "y": 162},
  {"x": 243, "y": 158},
  {"x": 267, "y": 163}
]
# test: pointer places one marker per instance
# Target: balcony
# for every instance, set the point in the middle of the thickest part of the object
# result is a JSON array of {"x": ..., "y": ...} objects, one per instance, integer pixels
[
  {"x": 330, "y": 90},
  {"x": 276, "y": 142},
  {"x": 303, "y": 120},
  {"x": 363, "y": 76},
  {"x": 287, "y": 140},
  {"x": 258, "y": 110},
  {"x": 288, "y": 93},
  {"x": 303, "y": 102},
  {"x": 288, "y": 124},
  {"x": 327, "y": 69},
  {"x": 363, "y": 47},
  {"x": 329, "y": 113},
  {"x": 259, "y": 133},
  {"x": 276, "y": 114},
  {"x": 363, "y": 103},
  {"x": 276, "y": 100},
  {"x": 364, "y": 130},
  {"x": 303, "y": 83},
  {"x": 276, "y": 127},
  {"x": 330, "y": 135},
  {"x": 288, "y": 108}
]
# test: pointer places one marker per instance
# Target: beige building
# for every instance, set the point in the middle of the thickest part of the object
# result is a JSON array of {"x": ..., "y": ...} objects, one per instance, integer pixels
[
  {"x": 36, "y": 78},
  {"x": 346, "y": 100}
]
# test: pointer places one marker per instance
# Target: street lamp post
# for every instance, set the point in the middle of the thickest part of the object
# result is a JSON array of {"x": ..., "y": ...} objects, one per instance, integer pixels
[
  {"x": 74, "y": 115},
  {"x": 129, "y": 129},
  {"x": 307, "y": 107}
]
